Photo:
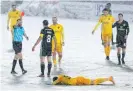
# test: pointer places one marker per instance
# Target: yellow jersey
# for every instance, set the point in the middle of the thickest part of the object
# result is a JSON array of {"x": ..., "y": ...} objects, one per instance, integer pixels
[
  {"x": 59, "y": 32},
  {"x": 13, "y": 16},
  {"x": 107, "y": 22},
  {"x": 67, "y": 80}
]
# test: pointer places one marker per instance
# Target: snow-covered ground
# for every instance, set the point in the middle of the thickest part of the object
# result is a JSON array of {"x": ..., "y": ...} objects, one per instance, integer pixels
[{"x": 83, "y": 55}]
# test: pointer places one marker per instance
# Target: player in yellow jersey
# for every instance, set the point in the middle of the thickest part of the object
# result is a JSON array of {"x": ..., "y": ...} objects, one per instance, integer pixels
[
  {"x": 13, "y": 16},
  {"x": 59, "y": 34},
  {"x": 106, "y": 20},
  {"x": 79, "y": 80}
]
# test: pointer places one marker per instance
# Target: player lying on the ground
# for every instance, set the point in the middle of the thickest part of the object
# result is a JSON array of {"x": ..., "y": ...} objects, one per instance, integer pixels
[{"x": 79, "y": 80}]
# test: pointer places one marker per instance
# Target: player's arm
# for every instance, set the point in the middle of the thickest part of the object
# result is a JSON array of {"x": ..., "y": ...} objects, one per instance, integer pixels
[
  {"x": 63, "y": 36},
  {"x": 38, "y": 41},
  {"x": 56, "y": 82},
  {"x": 54, "y": 38},
  {"x": 114, "y": 25},
  {"x": 8, "y": 19},
  {"x": 97, "y": 25},
  {"x": 128, "y": 30}
]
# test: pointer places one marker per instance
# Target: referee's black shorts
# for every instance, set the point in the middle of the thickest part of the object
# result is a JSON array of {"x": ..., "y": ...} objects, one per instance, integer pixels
[{"x": 17, "y": 46}]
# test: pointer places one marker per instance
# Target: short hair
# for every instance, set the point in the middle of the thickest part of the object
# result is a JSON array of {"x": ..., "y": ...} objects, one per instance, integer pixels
[
  {"x": 55, "y": 78},
  {"x": 105, "y": 9},
  {"x": 13, "y": 5},
  {"x": 120, "y": 14},
  {"x": 108, "y": 4},
  {"x": 45, "y": 22}
]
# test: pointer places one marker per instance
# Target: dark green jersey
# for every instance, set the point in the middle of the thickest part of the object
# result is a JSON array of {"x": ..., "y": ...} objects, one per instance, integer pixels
[{"x": 122, "y": 28}]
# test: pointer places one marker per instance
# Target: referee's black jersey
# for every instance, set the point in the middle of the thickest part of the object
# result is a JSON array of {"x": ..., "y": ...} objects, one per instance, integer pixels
[
  {"x": 122, "y": 28},
  {"x": 47, "y": 35}
]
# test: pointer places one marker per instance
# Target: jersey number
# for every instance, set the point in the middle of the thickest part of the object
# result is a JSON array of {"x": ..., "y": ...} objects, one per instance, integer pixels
[{"x": 49, "y": 38}]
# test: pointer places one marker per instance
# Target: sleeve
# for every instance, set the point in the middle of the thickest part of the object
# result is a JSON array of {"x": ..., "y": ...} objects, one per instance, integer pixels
[
  {"x": 62, "y": 33},
  {"x": 56, "y": 82},
  {"x": 41, "y": 33},
  {"x": 23, "y": 31},
  {"x": 113, "y": 19},
  {"x": 53, "y": 34},
  {"x": 127, "y": 28},
  {"x": 8, "y": 18},
  {"x": 114, "y": 25}
]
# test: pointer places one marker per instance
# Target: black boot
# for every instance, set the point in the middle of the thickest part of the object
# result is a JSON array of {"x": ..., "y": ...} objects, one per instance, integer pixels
[
  {"x": 13, "y": 67},
  {"x": 107, "y": 58},
  {"x": 119, "y": 59}
]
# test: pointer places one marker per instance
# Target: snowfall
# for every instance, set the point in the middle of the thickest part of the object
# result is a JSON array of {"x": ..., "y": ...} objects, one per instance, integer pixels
[{"x": 83, "y": 55}]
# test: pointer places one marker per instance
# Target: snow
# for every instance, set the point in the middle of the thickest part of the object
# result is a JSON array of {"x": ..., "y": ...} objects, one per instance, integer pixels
[{"x": 83, "y": 55}]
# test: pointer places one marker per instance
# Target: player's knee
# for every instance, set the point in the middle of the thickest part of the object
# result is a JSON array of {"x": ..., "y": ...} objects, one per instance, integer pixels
[
  {"x": 60, "y": 55},
  {"x": 20, "y": 55},
  {"x": 54, "y": 54},
  {"x": 41, "y": 60}
]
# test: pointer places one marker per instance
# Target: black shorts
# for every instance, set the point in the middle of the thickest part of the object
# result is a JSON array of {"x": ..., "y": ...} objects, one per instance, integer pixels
[
  {"x": 46, "y": 51},
  {"x": 17, "y": 46},
  {"x": 121, "y": 42}
]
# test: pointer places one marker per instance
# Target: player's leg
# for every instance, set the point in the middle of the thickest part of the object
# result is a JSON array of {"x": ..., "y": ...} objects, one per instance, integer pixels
[
  {"x": 106, "y": 45},
  {"x": 123, "y": 51},
  {"x": 119, "y": 55},
  {"x": 102, "y": 40},
  {"x": 42, "y": 60},
  {"x": 54, "y": 55},
  {"x": 98, "y": 81},
  {"x": 59, "y": 50},
  {"x": 49, "y": 65}
]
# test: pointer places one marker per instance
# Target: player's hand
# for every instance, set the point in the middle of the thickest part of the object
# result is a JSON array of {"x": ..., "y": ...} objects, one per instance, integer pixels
[
  {"x": 63, "y": 43},
  {"x": 8, "y": 28},
  {"x": 27, "y": 38},
  {"x": 93, "y": 32},
  {"x": 33, "y": 48},
  {"x": 126, "y": 37}
]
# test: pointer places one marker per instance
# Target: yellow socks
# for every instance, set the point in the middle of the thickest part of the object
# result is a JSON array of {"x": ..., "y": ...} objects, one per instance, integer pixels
[
  {"x": 107, "y": 50},
  {"x": 54, "y": 62},
  {"x": 100, "y": 80}
]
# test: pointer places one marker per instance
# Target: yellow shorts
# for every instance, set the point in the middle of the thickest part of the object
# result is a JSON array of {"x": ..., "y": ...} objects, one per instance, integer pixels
[
  {"x": 106, "y": 37},
  {"x": 58, "y": 47},
  {"x": 11, "y": 27},
  {"x": 83, "y": 81}
]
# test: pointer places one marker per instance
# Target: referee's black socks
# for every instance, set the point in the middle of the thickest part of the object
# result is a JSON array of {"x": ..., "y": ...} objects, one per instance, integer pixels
[{"x": 14, "y": 64}]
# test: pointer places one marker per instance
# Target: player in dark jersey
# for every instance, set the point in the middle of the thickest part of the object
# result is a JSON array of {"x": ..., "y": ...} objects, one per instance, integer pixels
[
  {"x": 122, "y": 34},
  {"x": 46, "y": 35}
]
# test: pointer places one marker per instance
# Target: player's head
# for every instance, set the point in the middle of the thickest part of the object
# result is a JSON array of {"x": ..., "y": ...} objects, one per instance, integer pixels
[
  {"x": 55, "y": 78},
  {"x": 13, "y": 6},
  {"x": 45, "y": 23},
  {"x": 54, "y": 20},
  {"x": 120, "y": 16},
  {"x": 105, "y": 11},
  {"x": 108, "y": 5},
  {"x": 19, "y": 22}
]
